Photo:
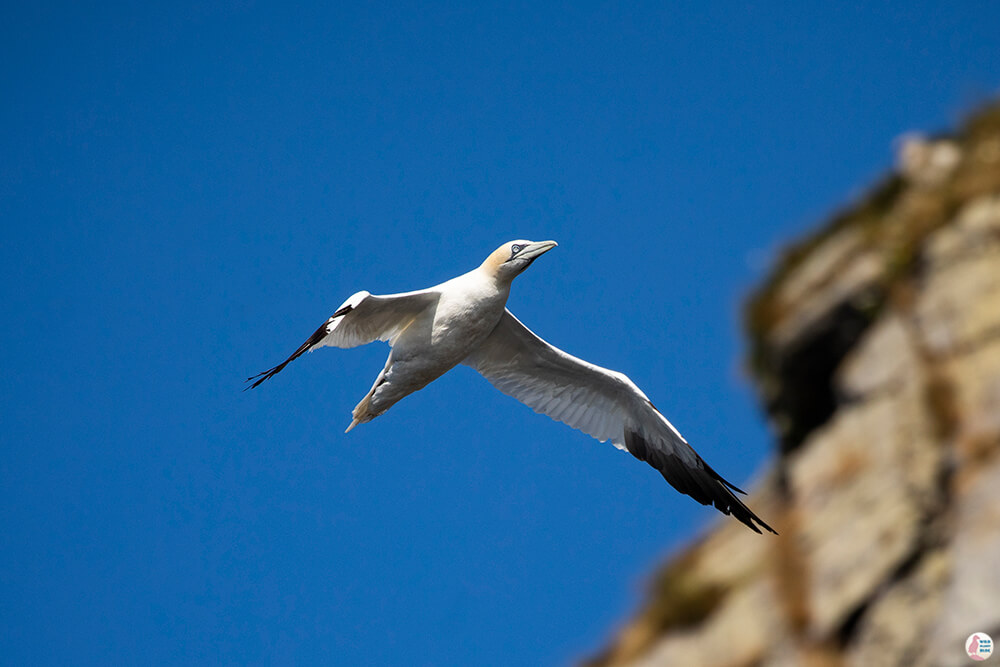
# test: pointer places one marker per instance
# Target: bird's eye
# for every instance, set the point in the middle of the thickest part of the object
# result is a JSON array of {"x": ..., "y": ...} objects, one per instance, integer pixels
[{"x": 514, "y": 249}]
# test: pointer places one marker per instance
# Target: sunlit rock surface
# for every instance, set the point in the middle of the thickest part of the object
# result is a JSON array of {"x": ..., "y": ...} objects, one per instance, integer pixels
[{"x": 875, "y": 348}]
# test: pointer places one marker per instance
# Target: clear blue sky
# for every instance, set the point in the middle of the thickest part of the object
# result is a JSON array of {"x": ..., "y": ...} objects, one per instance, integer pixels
[{"x": 188, "y": 191}]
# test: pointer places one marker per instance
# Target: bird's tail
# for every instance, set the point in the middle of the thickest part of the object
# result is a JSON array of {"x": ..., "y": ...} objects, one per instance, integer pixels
[{"x": 362, "y": 411}]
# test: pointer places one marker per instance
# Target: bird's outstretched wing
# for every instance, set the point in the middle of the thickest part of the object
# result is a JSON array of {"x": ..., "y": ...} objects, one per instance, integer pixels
[
  {"x": 604, "y": 404},
  {"x": 362, "y": 319}
]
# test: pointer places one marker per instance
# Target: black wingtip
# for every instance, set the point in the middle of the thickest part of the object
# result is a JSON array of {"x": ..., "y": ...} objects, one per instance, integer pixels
[
  {"x": 739, "y": 509},
  {"x": 313, "y": 340},
  {"x": 263, "y": 376},
  {"x": 701, "y": 482},
  {"x": 731, "y": 485},
  {"x": 254, "y": 377}
]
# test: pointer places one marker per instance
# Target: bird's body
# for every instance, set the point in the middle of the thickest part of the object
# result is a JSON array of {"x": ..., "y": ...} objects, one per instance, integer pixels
[
  {"x": 463, "y": 312},
  {"x": 465, "y": 320}
]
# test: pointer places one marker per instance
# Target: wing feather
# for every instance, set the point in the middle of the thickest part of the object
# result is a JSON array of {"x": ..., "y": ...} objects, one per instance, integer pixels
[
  {"x": 604, "y": 404},
  {"x": 362, "y": 319}
]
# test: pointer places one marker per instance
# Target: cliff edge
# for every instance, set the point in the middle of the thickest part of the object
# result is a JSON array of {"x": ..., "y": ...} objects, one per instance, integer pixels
[{"x": 875, "y": 350}]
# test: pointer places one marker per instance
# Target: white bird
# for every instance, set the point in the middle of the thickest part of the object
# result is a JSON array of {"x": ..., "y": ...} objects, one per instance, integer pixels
[{"x": 465, "y": 320}]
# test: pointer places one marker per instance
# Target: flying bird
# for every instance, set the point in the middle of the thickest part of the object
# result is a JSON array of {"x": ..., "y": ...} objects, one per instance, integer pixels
[{"x": 465, "y": 320}]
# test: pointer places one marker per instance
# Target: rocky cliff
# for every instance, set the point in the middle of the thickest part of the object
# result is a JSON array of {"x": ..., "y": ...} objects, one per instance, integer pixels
[{"x": 875, "y": 350}]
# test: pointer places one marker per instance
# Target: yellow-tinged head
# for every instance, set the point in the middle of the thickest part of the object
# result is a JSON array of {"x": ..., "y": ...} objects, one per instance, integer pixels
[{"x": 510, "y": 259}]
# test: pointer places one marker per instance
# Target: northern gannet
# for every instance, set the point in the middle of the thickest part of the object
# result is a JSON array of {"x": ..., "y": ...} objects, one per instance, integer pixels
[{"x": 465, "y": 320}]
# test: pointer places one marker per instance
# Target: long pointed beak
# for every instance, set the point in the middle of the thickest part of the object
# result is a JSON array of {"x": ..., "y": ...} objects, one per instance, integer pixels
[{"x": 536, "y": 249}]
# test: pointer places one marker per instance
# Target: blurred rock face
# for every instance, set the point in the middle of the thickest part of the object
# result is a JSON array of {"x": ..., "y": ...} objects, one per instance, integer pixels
[{"x": 875, "y": 347}]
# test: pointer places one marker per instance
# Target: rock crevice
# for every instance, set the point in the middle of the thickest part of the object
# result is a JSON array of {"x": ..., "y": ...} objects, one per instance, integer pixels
[{"x": 875, "y": 349}]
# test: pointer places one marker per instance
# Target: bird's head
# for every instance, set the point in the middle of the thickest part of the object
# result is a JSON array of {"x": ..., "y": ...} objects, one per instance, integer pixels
[{"x": 510, "y": 259}]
